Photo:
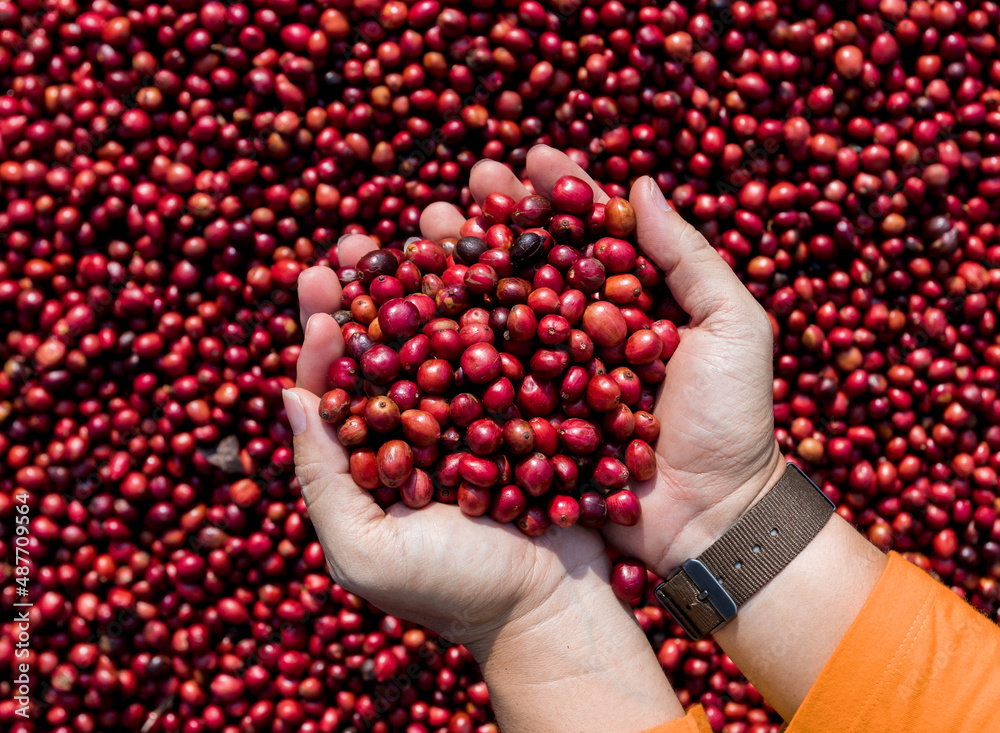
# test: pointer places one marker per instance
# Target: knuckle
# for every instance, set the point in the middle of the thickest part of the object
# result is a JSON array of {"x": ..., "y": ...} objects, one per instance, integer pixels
[
  {"x": 762, "y": 323},
  {"x": 759, "y": 329},
  {"x": 745, "y": 320},
  {"x": 691, "y": 240},
  {"x": 308, "y": 476}
]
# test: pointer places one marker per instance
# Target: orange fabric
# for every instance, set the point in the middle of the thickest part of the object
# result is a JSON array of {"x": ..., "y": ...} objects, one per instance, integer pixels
[
  {"x": 917, "y": 658},
  {"x": 694, "y": 722}
]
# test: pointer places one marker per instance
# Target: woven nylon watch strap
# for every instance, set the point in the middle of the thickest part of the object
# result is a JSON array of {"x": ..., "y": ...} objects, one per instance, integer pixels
[{"x": 704, "y": 594}]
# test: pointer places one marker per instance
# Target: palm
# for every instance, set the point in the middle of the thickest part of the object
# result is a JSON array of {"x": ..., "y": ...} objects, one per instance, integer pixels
[{"x": 463, "y": 577}]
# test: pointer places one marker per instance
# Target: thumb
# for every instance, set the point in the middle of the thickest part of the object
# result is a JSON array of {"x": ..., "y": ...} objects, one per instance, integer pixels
[
  {"x": 322, "y": 466},
  {"x": 699, "y": 279}
]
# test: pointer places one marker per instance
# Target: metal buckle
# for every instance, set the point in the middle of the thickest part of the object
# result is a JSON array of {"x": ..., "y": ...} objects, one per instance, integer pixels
[{"x": 710, "y": 590}]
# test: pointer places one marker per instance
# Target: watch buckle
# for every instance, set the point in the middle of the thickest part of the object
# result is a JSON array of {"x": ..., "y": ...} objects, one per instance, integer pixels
[{"x": 709, "y": 589}]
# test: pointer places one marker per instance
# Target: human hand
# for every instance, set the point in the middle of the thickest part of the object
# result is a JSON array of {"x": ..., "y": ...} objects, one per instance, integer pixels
[{"x": 716, "y": 453}]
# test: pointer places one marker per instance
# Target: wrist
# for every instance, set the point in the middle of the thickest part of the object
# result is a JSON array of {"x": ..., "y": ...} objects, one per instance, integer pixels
[
  {"x": 784, "y": 635},
  {"x": 537, "y": 623},
  {"x": 575, "y": 661},
  {"x": 709, "y": 525}
]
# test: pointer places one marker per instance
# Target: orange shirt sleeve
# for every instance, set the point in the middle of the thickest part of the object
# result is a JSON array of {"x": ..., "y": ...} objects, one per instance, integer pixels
[
  {"x": 694, "y": 722},
  {"x": 917, "y": 658}
]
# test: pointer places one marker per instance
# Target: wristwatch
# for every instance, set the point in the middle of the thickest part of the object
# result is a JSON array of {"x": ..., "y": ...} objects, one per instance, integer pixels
[{"x": 704, "y": 594}]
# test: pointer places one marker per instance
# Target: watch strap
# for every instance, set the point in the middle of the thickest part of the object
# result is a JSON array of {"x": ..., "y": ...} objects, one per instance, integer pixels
[{"x": 703, "y": 595}]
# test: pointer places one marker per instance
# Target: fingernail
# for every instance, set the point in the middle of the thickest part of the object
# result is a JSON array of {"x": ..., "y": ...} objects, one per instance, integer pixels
[
  {"x": 293, "y": 408},
  {"x": 309, "y": 323},
  {"x": 342, "y": 238},
  {"x": 657, "y": 195}
]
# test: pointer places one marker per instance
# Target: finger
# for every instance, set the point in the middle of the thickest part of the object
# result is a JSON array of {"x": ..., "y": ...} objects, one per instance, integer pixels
[
  {"x": 547, "y": 165},
  {"x": 489, "y": 176},
  {"x": 322, "y": 345},
  {"x": 698, "y": 278},
  {"x": 353, "y": 247},
  {"x": 338, "y": 507},
  {"x": 319, "y": 292},
  {"x": 441, "y": 220}
]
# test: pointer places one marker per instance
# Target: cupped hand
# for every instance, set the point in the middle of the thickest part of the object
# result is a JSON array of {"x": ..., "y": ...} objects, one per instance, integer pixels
[
  {"x": 716, "y": 452},
  {"x": 462, "y": 577}
]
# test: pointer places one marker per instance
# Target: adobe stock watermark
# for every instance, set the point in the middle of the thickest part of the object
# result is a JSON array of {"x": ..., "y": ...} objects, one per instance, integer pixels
[{"x": 21, "y": 626}]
